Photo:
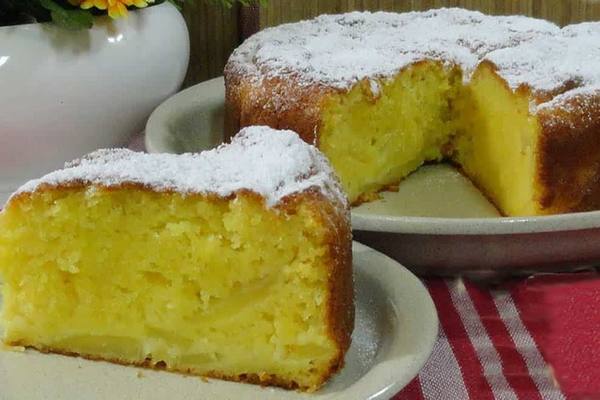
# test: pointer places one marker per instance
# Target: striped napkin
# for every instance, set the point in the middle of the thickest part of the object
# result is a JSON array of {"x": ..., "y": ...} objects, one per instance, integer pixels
[{"x": 534, "y": 339}]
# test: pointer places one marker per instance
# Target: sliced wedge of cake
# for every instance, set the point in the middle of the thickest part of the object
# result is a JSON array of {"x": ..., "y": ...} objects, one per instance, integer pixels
[{"x": 233, "y": 263}]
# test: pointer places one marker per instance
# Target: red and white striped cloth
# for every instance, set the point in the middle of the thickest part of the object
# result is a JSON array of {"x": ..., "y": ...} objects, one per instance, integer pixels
[{"x": 536, "y": 339}]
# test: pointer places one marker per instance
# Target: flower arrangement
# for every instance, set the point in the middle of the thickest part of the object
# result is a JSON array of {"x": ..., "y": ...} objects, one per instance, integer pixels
[{"x": 78, "y": 14}]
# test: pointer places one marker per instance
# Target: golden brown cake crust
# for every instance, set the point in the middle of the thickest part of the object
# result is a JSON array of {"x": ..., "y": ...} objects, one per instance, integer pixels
[
  {"x": 280, "y": 103},
  {"x": 340, "y": 311},
  {"x": 569, "y": 155}
]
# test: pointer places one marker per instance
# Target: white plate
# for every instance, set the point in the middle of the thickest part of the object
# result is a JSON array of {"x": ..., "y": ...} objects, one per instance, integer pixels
[
  {"x": 437, "y": 222},
  {"x": 396, "y": 327}
]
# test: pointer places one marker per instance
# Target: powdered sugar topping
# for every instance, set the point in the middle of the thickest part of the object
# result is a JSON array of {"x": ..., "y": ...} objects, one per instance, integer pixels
[
  {"x": 339, "y": 50},
  {"x": 547, "y": 63},
  {"x": 271, "y": 163}
]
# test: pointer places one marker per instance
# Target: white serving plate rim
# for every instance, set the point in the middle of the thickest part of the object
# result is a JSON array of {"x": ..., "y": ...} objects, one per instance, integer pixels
[
  {"x": 205, "y": 93},
  {"x": 158, "y": 122},
  {"x": 477, "y": 226}
]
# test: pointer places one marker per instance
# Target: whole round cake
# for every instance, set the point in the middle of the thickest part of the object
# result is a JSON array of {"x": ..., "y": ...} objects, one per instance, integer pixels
[{"x": 513, "y": 101}]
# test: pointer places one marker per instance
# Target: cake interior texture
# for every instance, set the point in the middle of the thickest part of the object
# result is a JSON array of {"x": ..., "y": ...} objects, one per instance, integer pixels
[
  {"x": 378, "y": 133},
  {"x": 374, "y": 138},
  {"x": 496, "y": 143},
  {"x": 222, "y": 287}
]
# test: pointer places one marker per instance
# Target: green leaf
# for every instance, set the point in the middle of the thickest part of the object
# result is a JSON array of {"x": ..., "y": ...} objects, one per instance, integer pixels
[{"x": 72, "y": 19}]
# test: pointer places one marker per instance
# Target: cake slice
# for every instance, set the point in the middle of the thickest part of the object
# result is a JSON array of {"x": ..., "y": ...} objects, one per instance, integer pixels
[
  {"x": 234, "y": 263},
  {"x": 532, "y": 113}
]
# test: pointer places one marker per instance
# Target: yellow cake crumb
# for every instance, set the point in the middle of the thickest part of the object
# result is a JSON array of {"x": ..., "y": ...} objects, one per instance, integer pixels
[
  {"x": 223, "y": 287},
  {"x": 427, "y": 114}
]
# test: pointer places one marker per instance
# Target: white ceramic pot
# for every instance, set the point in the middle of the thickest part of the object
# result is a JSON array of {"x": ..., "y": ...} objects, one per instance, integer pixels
[{"x": 64, "y": 93}]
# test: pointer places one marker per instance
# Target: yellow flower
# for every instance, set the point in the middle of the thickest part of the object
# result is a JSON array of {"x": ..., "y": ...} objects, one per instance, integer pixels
[{"x": 116, "y": 8}]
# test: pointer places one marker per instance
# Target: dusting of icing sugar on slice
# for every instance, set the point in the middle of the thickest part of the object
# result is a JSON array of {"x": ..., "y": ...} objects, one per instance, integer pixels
[
  {"x": 340, "y": 50},
  {"x": 269, "y": 162}
]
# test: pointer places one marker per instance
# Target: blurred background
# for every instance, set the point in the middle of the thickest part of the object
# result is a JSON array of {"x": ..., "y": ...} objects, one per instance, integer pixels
[{"x": 215, "y": 32}]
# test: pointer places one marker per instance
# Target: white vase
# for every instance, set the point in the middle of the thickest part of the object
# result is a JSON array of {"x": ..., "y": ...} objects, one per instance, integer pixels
[{"x": 65, "y": 93}]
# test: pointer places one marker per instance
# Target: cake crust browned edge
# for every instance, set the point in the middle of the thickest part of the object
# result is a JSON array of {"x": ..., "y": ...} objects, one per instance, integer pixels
[
  {"x": 340, "y": 313},
  {"x": 569, "y": 155},
  {"x": 278, "y": 102}
]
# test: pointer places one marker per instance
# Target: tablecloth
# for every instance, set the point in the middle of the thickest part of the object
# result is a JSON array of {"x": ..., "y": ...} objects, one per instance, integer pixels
[{"x": 537, "y": 338}]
